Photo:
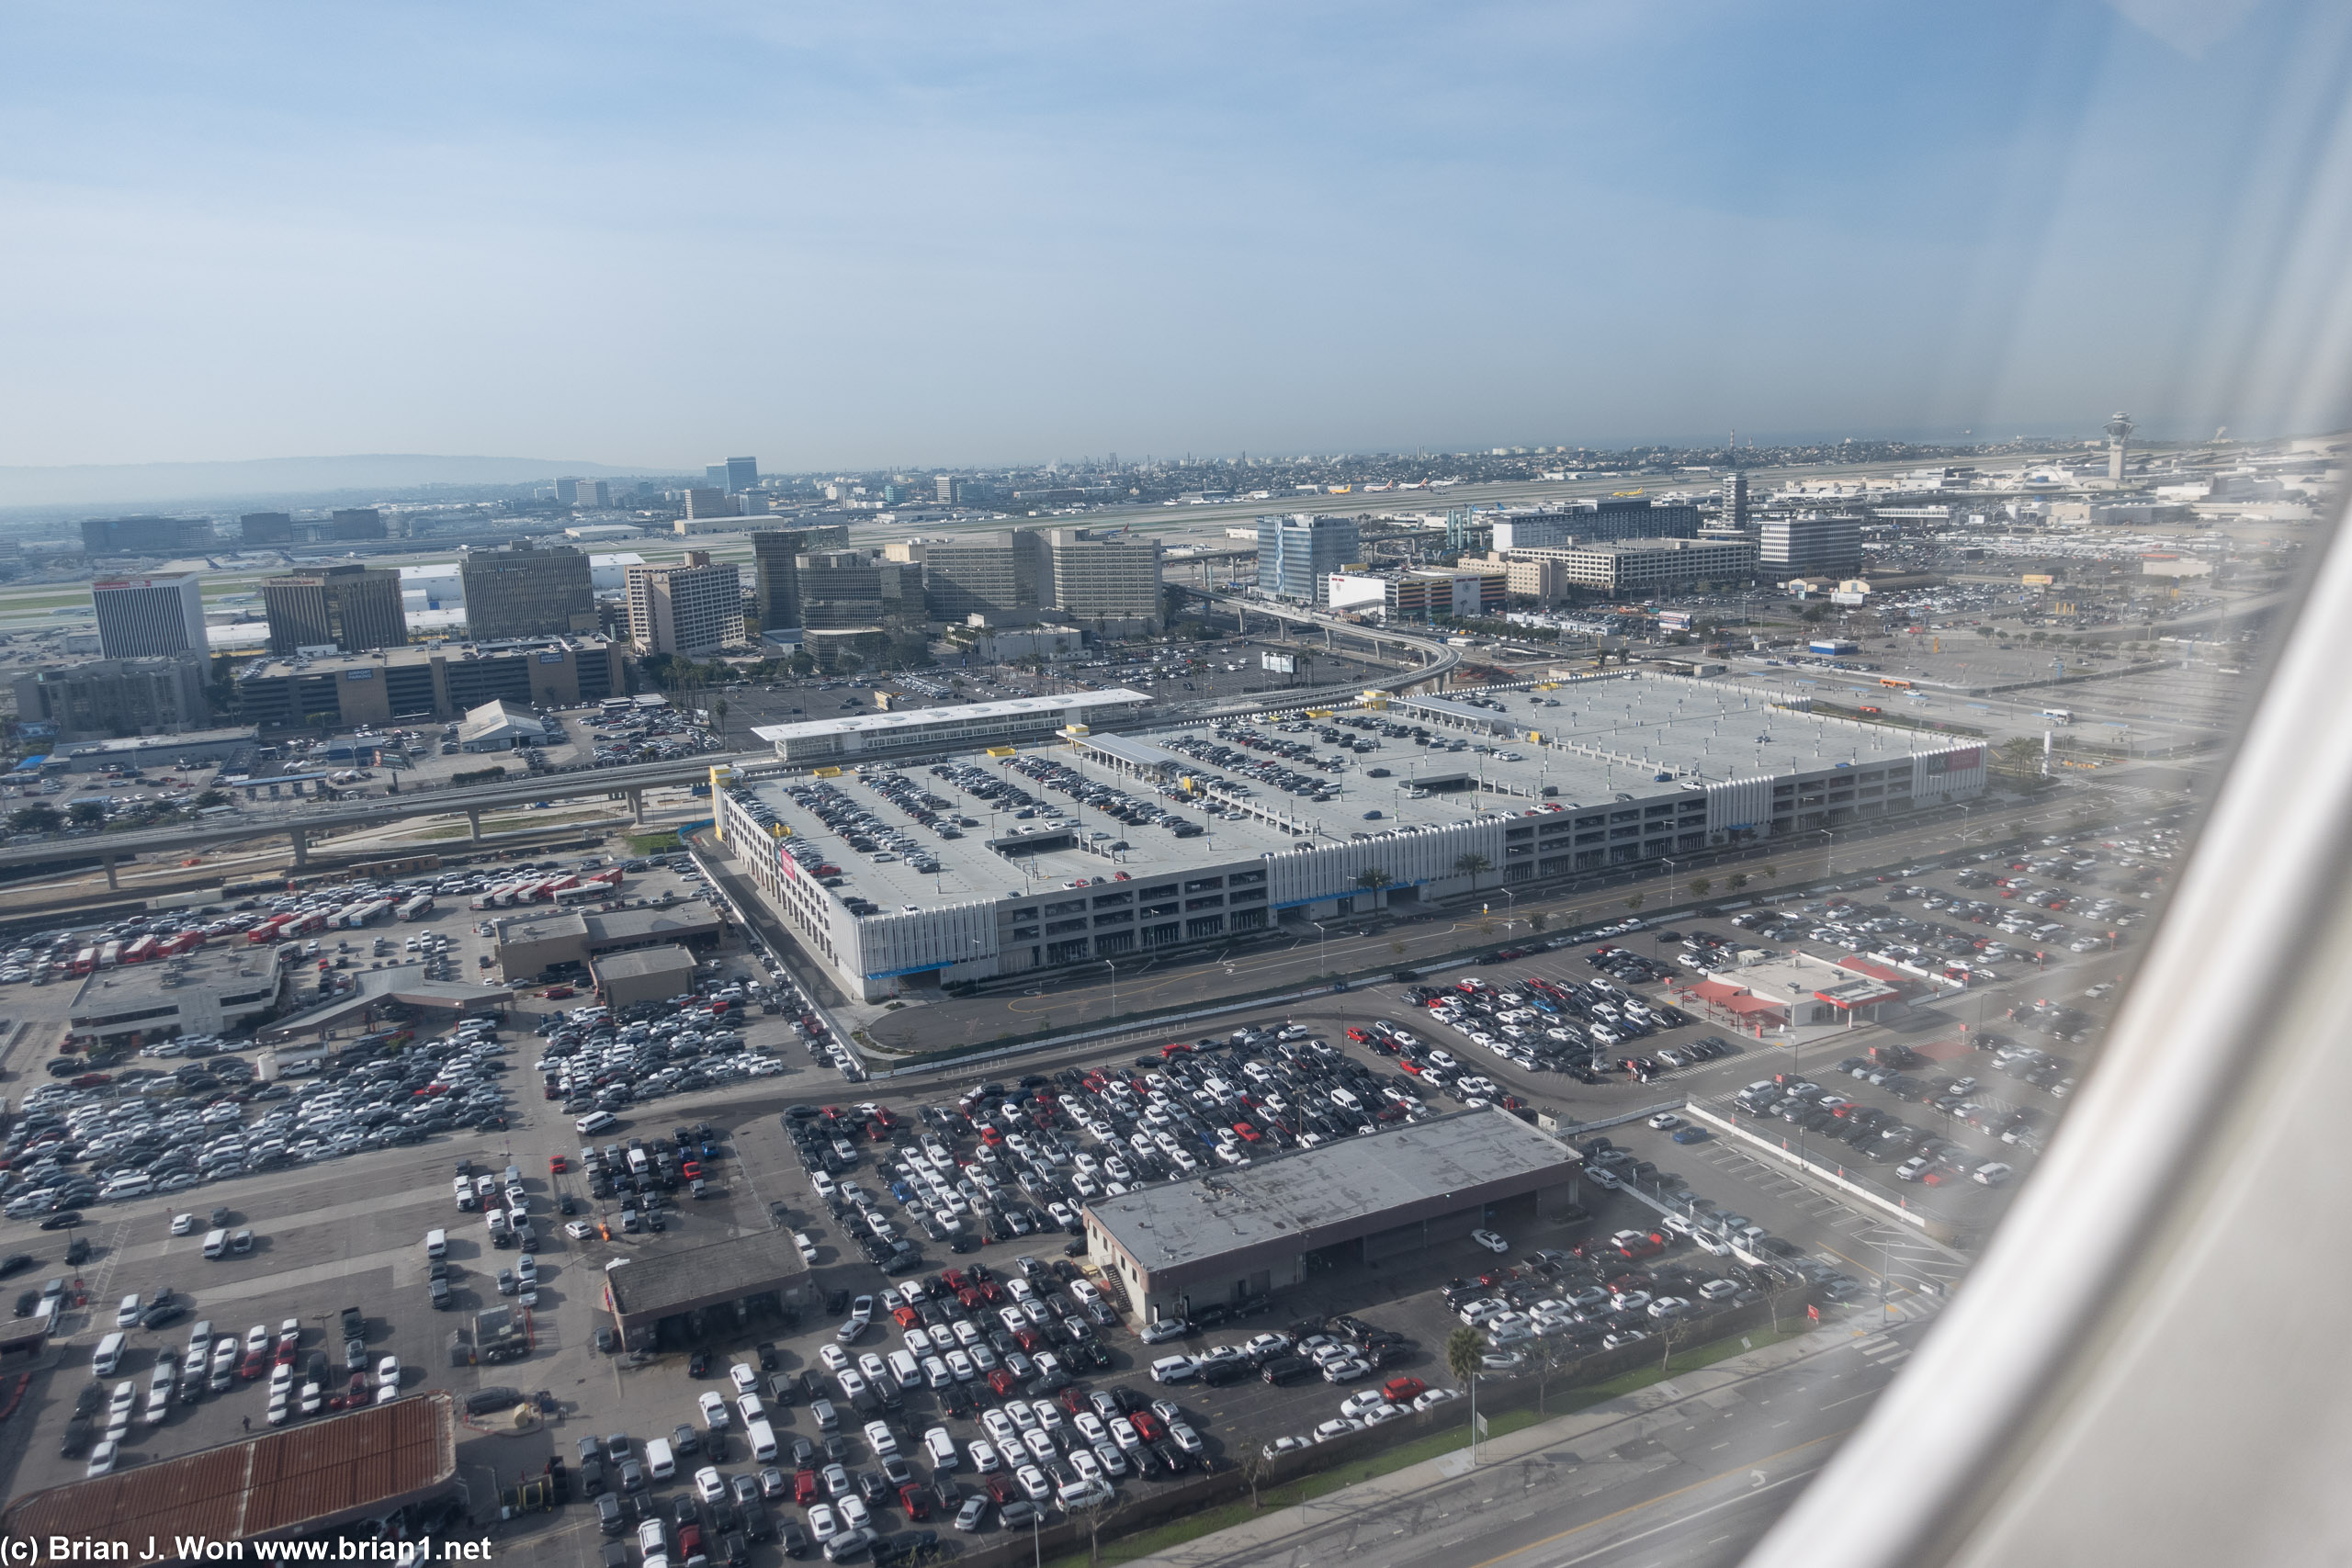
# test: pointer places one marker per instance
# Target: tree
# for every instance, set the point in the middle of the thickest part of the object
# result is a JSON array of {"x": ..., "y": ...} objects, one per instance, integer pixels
[
  {"x": 1373, "y": 879},
  {"x": 719, "y": 714},
  {"x": 41, "y": 817},
  {"x": 1538, "y": 920},
  {"x": 86, "y": 814},
  {"x": 1735, "y": 881},
  {"x": 1465, "y": 1347},
  {"x": 1699, "y": 886},
  {"x": 1768, "y": 872},
  {"x": 1985, "y": 631},
  {"x": 1473, "y": 864},
  {"x": 1634, "y": 903}
]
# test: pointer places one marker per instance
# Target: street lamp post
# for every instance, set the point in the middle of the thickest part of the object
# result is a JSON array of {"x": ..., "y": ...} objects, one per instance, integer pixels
[{"x": 1113, "y": 968}]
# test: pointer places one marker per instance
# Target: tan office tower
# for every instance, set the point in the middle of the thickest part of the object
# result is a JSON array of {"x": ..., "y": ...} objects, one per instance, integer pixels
[
  {"x": 691, "y": 608},
  {"x": 525, "y": 592},
  {"x": 1111, "y": 579},
  {"x": 351, "y": 608}
]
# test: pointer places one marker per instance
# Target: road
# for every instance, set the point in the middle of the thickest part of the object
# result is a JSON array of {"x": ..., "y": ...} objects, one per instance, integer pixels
[{"x": 1694, "y": 1480}]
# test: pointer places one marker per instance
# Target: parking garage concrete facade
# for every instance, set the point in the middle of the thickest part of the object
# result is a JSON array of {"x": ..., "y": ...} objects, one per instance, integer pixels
[{"x": 1228, "y": 1235}]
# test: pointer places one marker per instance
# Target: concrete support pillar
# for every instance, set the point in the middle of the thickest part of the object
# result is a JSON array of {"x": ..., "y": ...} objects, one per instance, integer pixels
[
  {"x": 637, "y": 805},
  {"x": 301, "y": 837},
  {"x": 473, "y": 818},
  {"x": 109, "y": 862}
]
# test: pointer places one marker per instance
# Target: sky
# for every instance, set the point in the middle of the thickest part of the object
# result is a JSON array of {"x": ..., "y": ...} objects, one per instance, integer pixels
[{"x": 894, "y": 235}]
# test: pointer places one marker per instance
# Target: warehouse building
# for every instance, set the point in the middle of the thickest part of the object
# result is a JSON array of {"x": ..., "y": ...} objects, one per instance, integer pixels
[
  {"x": 205, "y": 992},
  {"x": 1228, "y": 1235},
  {"x": 536, "y": 944},
  {"x": 663, "y": 1287},
  {"x": 643, "y": 975},
  {"x": 1168, "y": 840}
]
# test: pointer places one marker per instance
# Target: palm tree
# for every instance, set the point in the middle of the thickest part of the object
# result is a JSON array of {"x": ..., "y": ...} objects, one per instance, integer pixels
[
  {"x": 1473, "y": 864},
  {"x": 719, "y": 714},
  {"x": 1698, "y": 885},
  {"x": 1538, "y": 920},
  {"x": 1373, "y": 880},
  {"x": 1465, "y": 1349}
]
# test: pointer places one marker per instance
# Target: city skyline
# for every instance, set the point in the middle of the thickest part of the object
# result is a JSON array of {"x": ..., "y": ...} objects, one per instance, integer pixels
[{"x": 1059, "y": 233}]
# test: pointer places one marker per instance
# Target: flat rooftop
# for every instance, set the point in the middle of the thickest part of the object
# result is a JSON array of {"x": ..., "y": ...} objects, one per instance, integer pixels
[
  {"x": 644, "y": 961},
  {"x": 306, "y": 1477},
  {"x": 680, "y": 921},
  {"x": 1608, "y": 738},
  {"x": 231, "y": 968},
  {"x": 660, "y": 1280},
  {"x": 1316, "y": 1197},
  {"x": 1069, "y": 707}
]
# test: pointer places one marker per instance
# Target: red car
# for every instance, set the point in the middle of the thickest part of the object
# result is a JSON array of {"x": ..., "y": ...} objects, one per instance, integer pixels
[
  {"x": 1001, "y": 1487},
  {"x": 1360, "y": 1036},
  {"x": 1404, "y": 1391},
  {"x": 1073, "y": 1399},
  {"x": 1245, "y": 1131},
  {"x": 916, "y": 1500},
  {"x": 1148, "y": 1427},
  {"x": 804, "y": 1488},
  {"x": 557, "y": 1165},
  {"x": 557, "y": 993},
  {"x": 907, "y": 1316},
  {"x": 1002, "y": 1382}
]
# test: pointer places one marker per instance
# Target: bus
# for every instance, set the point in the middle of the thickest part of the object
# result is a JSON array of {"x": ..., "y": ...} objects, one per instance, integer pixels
[
  {"x": 417, "y": 907},
  {"x": 2059, "y": 715},
  {"x": 141, "y": 951},
  {"x": 84, "y": 960},
  {"x": 1892, "y": 683},
  {"x": 109, "y": 955}
]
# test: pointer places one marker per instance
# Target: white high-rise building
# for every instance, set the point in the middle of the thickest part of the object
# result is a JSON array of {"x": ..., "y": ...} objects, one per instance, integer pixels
[{"x": 149, "y": 617}]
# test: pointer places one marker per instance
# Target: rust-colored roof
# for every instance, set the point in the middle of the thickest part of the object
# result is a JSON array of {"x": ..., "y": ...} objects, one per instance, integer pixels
[{"x": 304, "y": 1476}]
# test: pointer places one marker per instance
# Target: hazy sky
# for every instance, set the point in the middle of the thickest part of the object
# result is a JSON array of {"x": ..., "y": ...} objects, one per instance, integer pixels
[{"x": 881, "y": 235}]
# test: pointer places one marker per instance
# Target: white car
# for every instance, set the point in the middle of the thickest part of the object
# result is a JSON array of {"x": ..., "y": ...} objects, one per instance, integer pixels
[
  {"x": 941, "y": 1447},
  {"x": 881, "y": 1440},
  {"x": 715, "y": 1416},
  {"x": 983, "y": 1457},
  {"x": 709, "y": 1485},
  {"x": 579, "y": 1230},
  {"x": 388, "y": 1373},
  {"x": 745, "y": 1378},
  {"x": 1335, "y": 1428},
  {"x": 1490, "y": 1241},
  {"x": 1663, "y": 1120},
  {"x": 1992, "y": 1175},
  {"x": 1358, "y": 1405}
]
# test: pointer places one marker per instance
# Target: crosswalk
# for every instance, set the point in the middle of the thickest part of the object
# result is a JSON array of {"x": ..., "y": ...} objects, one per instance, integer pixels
[{"x": 1882, "y": 1350}]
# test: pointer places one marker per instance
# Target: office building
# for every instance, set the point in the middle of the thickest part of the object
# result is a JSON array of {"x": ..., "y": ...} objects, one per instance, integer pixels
[
  {"x": 714, "y": 502},
  {"x": 690, "y": 608},
  {"x": 1639, "y": 566},
  {"x": 1801, "y": 546},
  {"x": 1613, "y": 517},
  {"x": 715, "y": 476},
  {"x": 149, "y": 617},
  {"x": 355, "y": 522},
  {"x": 146, "y": 536},
  {"x": 351, "y": 608},
  {"x": 1735, "y": 512},
  {"x": 1298, "y": 553},
  {"x": 440, "y": 682},
  {"x": 593, "y": 494},
  {"x": 947, "y": 486},
  {"x": 846, "y": 589},
  {"x": 527, "y": 591},
  {"x": 1194, "y": 855},
  {"x": 742, "y": 474},
  {"x": 1105, "y": 580},
  {"x": 775, "y": 592},
  {"x": 107, "y": 699},
  {"x": 976, "y": 574},
  {"x": 609, "y": 574},
  {"x": 267, "y": 529},
  {"x": 1463, "y": 594}
]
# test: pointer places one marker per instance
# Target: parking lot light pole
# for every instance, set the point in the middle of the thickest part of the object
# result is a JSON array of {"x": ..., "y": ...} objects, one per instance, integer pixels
[{"x": 1113, "y": 968}]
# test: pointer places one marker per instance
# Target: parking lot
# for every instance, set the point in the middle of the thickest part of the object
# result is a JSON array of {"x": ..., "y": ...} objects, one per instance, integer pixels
[{"x": 961, "y": 1176}]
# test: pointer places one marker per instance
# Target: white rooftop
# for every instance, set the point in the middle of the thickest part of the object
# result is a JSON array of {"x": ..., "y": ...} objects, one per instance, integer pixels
[{"x": 1072, "y": 707}]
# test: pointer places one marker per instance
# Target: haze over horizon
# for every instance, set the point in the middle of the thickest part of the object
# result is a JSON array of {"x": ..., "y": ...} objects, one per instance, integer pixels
[{"x": 895, "y": 237}]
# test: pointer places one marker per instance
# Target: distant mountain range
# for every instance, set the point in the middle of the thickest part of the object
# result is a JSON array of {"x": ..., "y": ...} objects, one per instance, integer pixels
[{"x": 147, "y": 484}]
